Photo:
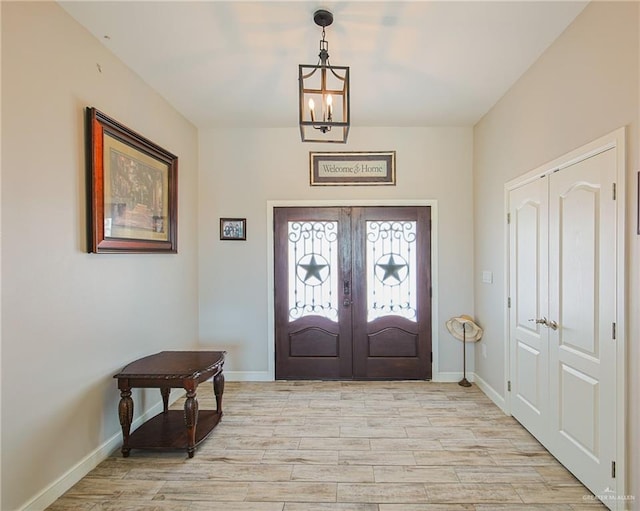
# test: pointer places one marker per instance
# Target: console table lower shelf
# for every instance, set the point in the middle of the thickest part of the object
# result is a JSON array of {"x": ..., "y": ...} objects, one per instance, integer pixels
[{"x": 167, "y": 431}]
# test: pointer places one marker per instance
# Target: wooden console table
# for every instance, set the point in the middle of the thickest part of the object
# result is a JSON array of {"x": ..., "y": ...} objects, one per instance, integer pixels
[{"x": 171, "y": 429}]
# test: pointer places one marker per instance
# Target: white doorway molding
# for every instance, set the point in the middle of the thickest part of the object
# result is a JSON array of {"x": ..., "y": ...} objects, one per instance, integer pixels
[{"x": 432, "y": 203}]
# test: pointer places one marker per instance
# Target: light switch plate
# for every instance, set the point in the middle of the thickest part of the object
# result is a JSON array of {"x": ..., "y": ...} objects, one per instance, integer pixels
[{"x": 487, "y": 277}]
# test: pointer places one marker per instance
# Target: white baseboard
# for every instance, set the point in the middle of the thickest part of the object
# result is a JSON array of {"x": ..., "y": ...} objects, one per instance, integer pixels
[
  {"x": 50, "y": 494},
  {"x": 451, "y": 377},
  {"x": 56, "y": 489},
  {"x": 248, "y": 376},
  {"x": 267, "y": 376},
  {"x": 487, "y": 389},
  {"x": 492, "y": 394}
]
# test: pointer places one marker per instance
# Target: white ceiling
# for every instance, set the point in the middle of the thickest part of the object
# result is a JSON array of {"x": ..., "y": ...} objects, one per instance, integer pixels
[{"x": 419, "y": 63}]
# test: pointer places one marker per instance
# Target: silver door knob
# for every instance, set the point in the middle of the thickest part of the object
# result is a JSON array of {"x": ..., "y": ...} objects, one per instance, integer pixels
[
  {"x": 542, "y": 321},
  {"x": 553, "y": 325}
]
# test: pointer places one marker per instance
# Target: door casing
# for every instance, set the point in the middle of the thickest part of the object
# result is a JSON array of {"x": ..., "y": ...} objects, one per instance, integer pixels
[
  {"x": 271, "y": 205},
  {"x": 614, "y": 140}
]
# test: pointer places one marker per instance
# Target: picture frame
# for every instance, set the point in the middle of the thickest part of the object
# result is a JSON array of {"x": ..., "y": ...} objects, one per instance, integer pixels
[
  {"x": 132, "y": 190},
  {"x": 352, "y": 168},
  {"x": 233, "y": 229}
]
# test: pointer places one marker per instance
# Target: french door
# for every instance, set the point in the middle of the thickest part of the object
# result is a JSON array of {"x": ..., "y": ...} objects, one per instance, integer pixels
[{"x": 352, "y": 293}]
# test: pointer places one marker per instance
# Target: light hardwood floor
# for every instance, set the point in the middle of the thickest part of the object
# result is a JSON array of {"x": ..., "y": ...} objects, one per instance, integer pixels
[{"x": 345, "y": 446}]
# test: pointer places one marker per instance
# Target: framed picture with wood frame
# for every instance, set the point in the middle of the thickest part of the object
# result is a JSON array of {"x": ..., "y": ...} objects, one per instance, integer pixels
[
  {"x": 352, "y": 168},
  {"x": 132, "y": 190},
  {"x": 233, "y": 229}
]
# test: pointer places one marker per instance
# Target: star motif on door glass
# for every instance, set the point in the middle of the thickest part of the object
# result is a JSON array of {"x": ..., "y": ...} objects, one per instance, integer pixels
[
  {"x": 313, "y": 269},
  {"x": 391, "y": 266}
]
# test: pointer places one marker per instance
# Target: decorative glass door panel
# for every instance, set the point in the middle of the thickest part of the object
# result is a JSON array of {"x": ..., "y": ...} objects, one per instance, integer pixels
[
  {"x": 391, "y": 269},
  {"x": 313, "y": 276},
  {"x": 352, "y": 293}
]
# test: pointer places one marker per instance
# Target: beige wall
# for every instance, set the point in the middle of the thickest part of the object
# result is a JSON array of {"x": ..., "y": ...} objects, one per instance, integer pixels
[
  {"x": 584, "y": 86},
  {"x": 243, "y": 169},
  {"x": 70, "y": 320}
]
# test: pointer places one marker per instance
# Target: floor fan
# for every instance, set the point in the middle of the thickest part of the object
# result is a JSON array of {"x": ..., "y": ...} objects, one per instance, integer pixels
[{"x": 465, "y": 329}]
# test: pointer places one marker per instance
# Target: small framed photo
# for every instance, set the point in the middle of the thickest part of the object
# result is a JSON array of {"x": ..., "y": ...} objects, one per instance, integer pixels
[{"x": 233, "y": 229}]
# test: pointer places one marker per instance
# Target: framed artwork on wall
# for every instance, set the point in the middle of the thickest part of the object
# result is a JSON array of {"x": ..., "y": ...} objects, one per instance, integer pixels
[
  {"x": 132, "y": 190},
  {"x": 352, "y": 168},
  {"x": 233, "y": 229}
]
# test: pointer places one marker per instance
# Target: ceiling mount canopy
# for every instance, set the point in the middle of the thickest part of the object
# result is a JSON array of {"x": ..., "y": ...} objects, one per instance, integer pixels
[
  {"x": 322, "y": 18},
  {"x": 323, "y": 94}
]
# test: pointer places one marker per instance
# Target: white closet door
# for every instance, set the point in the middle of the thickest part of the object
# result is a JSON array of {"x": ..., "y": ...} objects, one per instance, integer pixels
[
  {"x": 582, "y": 300},
  {"x": 563, "y": 273},
  {"x": 528, "y": 281}
]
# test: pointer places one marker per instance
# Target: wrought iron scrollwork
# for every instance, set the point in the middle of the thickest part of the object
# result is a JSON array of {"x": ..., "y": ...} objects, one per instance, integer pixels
[
  {"x": 313, "y": 250},
  {"x": 391, "y": 276}
]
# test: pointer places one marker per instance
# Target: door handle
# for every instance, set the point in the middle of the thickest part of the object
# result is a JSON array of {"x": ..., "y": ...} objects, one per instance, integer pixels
[
  {"x": 346, "y": 288},
  {"x": 553, "y": 325}
]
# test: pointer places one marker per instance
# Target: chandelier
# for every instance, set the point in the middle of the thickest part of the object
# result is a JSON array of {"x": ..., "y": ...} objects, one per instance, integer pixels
[{"x": 324, "y": 94}]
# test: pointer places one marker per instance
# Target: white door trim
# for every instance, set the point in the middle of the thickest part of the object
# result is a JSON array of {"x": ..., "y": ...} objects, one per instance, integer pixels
[
  {"x": 616, "y": 140},
  {"x": 432, "y": 203}
]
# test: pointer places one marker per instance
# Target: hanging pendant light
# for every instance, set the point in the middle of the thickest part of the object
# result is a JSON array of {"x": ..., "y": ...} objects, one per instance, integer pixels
[{"x": 323, "y": 94}]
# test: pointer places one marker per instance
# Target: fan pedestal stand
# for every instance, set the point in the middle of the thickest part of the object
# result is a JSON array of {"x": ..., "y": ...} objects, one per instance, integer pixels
[{"x": 464, "y": 382}]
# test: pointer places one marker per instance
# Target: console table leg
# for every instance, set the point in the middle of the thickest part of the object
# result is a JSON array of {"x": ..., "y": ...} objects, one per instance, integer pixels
[
  {"x": 218, "y": 390},
  {"x": 165, "y": 391},
  {"x": 191, "y": 419},
  {"x": 125, "y": 414}
]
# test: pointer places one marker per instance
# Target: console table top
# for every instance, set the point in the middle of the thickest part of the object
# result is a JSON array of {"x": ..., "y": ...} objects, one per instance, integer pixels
[{"x": 174, "y": 365}]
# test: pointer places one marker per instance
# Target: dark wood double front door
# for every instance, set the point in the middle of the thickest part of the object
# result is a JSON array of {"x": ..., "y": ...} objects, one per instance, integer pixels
[{"x": 353, "y": 293}]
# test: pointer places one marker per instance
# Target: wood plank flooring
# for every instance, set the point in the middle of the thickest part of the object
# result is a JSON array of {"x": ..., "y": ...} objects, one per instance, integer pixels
[{"x": 344, "y": 446}]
